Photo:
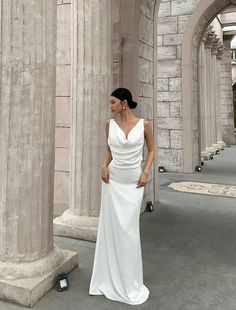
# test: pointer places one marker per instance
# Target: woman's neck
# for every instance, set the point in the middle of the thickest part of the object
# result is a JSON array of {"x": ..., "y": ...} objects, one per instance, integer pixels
[{"x": 127, "y": 116}]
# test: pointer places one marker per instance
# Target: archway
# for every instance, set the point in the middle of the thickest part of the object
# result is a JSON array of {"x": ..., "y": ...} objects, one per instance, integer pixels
[{"x": 202, "y": 16}]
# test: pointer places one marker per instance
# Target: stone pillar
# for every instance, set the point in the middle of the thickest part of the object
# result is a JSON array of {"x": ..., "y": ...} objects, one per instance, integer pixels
[
  {"x": 29, "y": 260},
  {"x": 91, "y": 87},
  {"x": 227, "y": 108},
  {"x": 202, "y": 99},
  {"x": 208, "y": 106},
  {"x": 214, "y": 52},
  {"x": 219, "y": 124}
]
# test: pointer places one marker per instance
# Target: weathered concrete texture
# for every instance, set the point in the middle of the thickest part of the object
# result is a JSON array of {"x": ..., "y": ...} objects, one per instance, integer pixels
[
  {"x": 91, "y": 32},
  {"x": 27, "y": 134}
]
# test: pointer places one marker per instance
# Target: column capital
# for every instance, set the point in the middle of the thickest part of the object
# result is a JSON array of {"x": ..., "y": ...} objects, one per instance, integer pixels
[
  {"x": 209, "y": 37},
  {"x": 215, "y": 45},
  {"x": 221, "y": 49}
]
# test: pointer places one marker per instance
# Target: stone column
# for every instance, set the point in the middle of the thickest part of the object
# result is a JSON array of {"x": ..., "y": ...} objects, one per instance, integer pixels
[
  {"x": 208, "y": 118},
  {"x": 214, "y": 52},
  {"x": 91, "y": 87},
  {"x": 227, "y": 108},
  {"x": 216, "y": 123},
  {"x": 202, "y": 94},
  {"x": 29, "y": 260},
  {"x": 219, "y": 124}
]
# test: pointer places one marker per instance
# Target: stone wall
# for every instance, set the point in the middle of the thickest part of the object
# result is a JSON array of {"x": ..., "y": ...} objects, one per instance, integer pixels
[
  {"x": 172, "y": 19},
  {"x": 146, "y": 74},
  {"x": 63, "y": 107}
]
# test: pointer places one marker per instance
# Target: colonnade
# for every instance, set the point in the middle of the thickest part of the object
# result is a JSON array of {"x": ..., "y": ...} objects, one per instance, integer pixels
[
  {"x": 91, "y": 82},
  {"x": 211, "y": 50},
  {"x": 29, "y": 260}
]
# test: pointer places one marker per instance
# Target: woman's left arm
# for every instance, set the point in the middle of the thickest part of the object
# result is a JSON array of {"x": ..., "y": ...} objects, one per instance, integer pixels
[{"x": 150, "y": 156}]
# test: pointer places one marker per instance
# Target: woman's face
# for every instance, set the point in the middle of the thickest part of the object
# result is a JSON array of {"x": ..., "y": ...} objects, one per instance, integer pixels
[{"x": 116, "y": 105}]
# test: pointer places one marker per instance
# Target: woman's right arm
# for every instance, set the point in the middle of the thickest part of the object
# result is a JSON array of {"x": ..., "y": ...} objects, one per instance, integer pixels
[{"x": 108, "y": 157}]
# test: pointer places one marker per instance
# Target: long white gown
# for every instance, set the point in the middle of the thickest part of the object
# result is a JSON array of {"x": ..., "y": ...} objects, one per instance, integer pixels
[{"x": 117, "y": 269}]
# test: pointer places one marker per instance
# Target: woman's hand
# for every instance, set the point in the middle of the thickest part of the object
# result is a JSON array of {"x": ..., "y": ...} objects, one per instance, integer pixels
[
  {"x": 142, "y": 180},
  {"x": 105, "y": 174}
]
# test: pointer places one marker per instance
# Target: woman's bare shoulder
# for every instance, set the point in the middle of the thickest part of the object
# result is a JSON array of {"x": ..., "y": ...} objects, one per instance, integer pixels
[
  {"x": 107, "y": 122},
  {"x": 146, "y": 122}
]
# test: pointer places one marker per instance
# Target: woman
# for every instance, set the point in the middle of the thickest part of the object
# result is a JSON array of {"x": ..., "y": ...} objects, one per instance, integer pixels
[{"x": 117, "y": 270}]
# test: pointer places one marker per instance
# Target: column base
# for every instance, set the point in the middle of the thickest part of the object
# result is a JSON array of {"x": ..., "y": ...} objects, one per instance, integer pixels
[
  {"x": 205, "y": 155},
  {"x": 27, "y": 291},
  {"x": 79, "y": 227},
  {"x": 211, "y": 150},
  {"x": 221, "y": 143},
  {"x": 217, "y": 146}
]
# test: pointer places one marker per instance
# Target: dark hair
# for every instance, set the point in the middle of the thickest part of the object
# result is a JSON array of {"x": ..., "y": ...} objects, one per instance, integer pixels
[{"x": 124, "y": 94}]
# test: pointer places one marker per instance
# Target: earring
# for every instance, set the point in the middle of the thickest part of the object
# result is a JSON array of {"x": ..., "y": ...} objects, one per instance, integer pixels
[{"x": 123, "y": 108}]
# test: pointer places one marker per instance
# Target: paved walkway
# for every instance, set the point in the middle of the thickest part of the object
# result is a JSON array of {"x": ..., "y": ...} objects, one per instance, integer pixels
[{"x": 189, "y": 250}]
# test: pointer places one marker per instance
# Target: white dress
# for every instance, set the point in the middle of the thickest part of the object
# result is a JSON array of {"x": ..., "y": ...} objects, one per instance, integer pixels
[{"x": 117, "y": 269}]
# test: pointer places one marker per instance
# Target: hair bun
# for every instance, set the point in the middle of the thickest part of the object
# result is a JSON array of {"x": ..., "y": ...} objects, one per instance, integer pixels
[{"x": 132, "y": 104}]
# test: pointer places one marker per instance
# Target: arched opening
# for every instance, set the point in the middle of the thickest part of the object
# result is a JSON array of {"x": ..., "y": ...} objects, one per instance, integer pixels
[
  {"x": 197, "y": 24},
  {"x": 178, "y": 30}
]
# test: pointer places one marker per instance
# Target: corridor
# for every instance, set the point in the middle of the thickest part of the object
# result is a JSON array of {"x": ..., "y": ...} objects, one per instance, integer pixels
[{"x": 189, "y": 250}]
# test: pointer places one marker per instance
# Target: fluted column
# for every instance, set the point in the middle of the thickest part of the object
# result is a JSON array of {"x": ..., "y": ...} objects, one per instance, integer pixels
[
  {"x": 219, "y": 122},
  {"x": 208, "y": 106},
  {"x": 91, "y": 87},
  {"x": 213, "y": 91},
  {"x": 227, "y": 107},
  {"x": 216, "y": 80},
  {"x": 28, "y": 258},
  {"x": 202, "y": 94}
]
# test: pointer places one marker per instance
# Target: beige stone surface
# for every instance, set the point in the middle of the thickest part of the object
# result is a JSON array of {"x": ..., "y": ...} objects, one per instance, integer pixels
[
  {"x": 28, "y": 258},
  {"x": 63, "y": 111},
  {"x": 175, "y": 84},
  {"x": 167, "y": 52},
  {"x": 173, "y": 39},
  {"x": 169, "y": 96},
  {"x": 170, "y": 123},
  {"x": 146, "y": 30},
  {"x": 62, "y": 159},
  {"x": 146, "y": 71},
  {"x": 92, "y": 41},
  {"x": 62, "y": 137},
  {"x": 176, "y": 139},
  {"x": 63, "y": 34},
  {"x": 61, "y": 192},
  {"x": 162, "y": 84},
  {"x": 163, "y": 110},
  {"x": 183, "y": 7},
  {"x": 146, "y": 7},
  {"x": 146, "y": 51},
  {"x": 163, "y": 139},
  {"x": 63, "y": 82},
  {"x": 171, "y": 159},
  {"x": 169, "y": 69},
  {"x": 27, "y": 291},
  {"x": 167, "y": 25},
  {"x": 176, "y": 109},
  {"x": 182, "y": 23},
  {"x": 164, "y": 9}
]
